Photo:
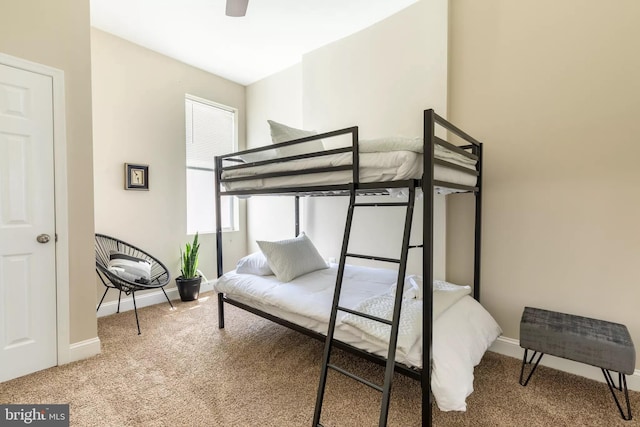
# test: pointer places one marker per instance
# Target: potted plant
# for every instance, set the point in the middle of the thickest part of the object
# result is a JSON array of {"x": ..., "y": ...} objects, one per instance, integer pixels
[{"x": 188, "y": 283}]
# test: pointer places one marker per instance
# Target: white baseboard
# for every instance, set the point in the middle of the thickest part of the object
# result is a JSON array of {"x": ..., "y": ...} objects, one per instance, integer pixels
[
  {"x": 511, "y": 347},
  {"x": 145, "y": 299},
  {"x": 83, "y": 349}
]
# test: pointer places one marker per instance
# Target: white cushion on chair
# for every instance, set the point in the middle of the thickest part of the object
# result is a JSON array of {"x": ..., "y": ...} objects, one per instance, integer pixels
[{"x": 129, "y": 267}]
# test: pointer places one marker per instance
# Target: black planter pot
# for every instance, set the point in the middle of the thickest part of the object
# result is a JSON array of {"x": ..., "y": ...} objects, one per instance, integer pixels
[{"x": 189, "y": 289}]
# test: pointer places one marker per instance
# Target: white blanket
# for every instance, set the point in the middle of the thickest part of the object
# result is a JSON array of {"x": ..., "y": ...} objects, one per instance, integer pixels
[
  {"x": 389, "y": 144},
  {"x": 381, "y": 306},
  {"x": 306, "y": 301},
  {"x": 378, "y": 163},
  {"x": 410, "y": 328},
  {"x": 310, "y": 295}
]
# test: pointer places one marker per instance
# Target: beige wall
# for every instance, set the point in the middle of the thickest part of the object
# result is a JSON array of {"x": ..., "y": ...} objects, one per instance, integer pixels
[
  {"x": 56, "y": 34},
  {"x": 552, "y": 89},
  {"x": 279, "y": 98},
  {"x": 380, "y": 79},
  {"x": 138, "y": 102}
]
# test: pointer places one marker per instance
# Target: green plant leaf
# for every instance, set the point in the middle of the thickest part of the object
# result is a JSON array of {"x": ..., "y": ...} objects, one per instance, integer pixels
[{"x": 189, "y": 259}]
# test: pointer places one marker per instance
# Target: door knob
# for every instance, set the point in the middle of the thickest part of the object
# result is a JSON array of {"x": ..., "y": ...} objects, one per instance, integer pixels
[{"x": 43, "y": 238}]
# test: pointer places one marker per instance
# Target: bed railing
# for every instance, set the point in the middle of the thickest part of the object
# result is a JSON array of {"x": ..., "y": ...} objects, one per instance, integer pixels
[
  {"x": 239, "y": 164},
  {"x": 471, "y": 150},
  {"x": 234, "y": 162}
]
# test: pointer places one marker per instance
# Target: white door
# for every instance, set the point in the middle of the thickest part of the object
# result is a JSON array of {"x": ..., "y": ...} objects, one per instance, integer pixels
[{"x": 27, "y": 266}]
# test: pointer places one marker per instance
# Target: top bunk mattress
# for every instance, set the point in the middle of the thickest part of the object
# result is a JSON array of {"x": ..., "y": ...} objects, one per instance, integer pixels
[{"x": 379, "y": 161}]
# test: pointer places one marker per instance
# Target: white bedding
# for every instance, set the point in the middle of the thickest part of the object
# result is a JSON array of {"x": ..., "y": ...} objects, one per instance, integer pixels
[
  {"x": 387, "y": 159},
  {"x": 444, "y": 296},
  {"x": 307, "y": 299}
]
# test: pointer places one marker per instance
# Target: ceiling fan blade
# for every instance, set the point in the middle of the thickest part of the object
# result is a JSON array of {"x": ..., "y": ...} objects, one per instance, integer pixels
[{"x": 236, "y": 8}]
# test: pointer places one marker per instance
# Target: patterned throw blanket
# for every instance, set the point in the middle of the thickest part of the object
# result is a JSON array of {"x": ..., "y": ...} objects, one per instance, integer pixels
[{"x": 410, "y": 330}]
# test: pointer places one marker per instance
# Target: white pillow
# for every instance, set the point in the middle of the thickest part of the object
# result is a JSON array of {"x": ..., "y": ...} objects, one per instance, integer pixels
[
  {"x": 129, "y": 267},
  {"x": 283, "y": 133},
  {"x": 255, "y": 264},
  {"x": 291, "y": 258}
]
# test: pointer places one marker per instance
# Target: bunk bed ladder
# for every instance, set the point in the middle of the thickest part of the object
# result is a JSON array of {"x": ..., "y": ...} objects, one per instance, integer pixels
[{"x": 385, "y": 389}]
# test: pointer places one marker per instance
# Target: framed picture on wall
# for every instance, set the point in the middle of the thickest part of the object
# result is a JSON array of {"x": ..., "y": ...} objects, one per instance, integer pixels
[{"x": 136, "y": 177}]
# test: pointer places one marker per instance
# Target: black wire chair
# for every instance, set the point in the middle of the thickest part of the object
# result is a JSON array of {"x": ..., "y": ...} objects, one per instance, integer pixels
[{"x": 159, "y": 274}]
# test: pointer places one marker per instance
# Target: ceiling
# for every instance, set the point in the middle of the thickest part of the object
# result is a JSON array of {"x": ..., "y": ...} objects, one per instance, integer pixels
[{"x": 271, "y": 37}]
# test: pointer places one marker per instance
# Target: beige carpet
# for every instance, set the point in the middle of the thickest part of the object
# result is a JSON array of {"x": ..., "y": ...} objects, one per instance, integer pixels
[{"x": 183, "y": 371}]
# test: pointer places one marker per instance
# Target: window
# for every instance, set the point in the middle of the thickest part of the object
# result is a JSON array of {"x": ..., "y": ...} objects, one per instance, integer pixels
[{"x": 211, "y": 131}]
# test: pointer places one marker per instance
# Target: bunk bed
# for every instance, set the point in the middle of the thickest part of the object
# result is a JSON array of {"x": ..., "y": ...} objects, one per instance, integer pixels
[{"x": 375, "y": 167}]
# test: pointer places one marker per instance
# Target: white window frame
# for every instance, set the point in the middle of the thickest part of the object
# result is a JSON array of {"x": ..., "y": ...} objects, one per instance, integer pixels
[{"x": 233, "y": 206}]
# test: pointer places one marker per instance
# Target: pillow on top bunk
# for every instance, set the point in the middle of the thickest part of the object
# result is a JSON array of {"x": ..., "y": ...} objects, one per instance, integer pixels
[
  {"x": 255, "y": 264},
  {"x": 283, "y": 133},
  {"x": 291, "y": 258}
]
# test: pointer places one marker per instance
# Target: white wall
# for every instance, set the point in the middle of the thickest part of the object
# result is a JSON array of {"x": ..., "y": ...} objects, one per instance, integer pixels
[
  {"x": 380, "y": 79},
  {"x": 279, "y": 98}
]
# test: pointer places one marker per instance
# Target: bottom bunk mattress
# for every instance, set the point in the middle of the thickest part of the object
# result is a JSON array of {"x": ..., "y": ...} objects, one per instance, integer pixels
[{"x": 462, "y": 328}]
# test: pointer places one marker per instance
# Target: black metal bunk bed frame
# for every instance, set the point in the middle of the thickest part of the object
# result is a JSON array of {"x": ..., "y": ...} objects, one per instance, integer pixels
[{"x": 472, "y": 149}]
